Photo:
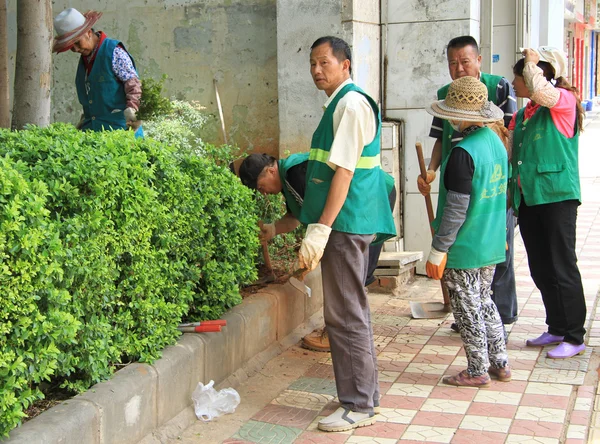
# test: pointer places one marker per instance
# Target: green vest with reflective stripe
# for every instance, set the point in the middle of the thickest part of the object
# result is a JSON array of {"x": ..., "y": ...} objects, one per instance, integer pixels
[
  {"x": 366, "y": 209},
  {"x": 481, "y": 240},
  {"x": 292, "y": 199},
  {"x": 491, "y": 82},
  {"x": 546, "y": 161}
]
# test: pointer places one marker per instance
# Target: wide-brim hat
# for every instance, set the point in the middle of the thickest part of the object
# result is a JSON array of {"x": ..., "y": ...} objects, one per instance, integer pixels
[
  {"x": 556, "y": 58},
  {"x": 70, "y": 25},
  {"x": 467, "y": 100}
]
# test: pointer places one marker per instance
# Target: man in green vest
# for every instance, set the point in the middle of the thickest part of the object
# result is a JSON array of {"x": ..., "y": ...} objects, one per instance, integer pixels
[
  {"x": 464, "y": 59},
  {"x": 108, "y": 86},
  {"x": 345, "y": 207}
]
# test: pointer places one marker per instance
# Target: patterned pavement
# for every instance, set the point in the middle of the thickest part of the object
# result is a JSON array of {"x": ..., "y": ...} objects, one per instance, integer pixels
[{"x": 548, "y": 401}]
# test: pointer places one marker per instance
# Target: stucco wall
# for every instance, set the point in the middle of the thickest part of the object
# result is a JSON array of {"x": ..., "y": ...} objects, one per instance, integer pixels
[{"x": 192, "y": 42}]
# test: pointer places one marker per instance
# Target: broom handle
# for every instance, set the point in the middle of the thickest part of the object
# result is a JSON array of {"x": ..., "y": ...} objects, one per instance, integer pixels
[{"x": 429, "y": 206}]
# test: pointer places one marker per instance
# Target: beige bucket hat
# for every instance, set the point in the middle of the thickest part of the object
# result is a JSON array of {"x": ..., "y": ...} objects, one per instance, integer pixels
[
  {"x": 467, "y": 100},
  {"x": 70, "y": 25}
]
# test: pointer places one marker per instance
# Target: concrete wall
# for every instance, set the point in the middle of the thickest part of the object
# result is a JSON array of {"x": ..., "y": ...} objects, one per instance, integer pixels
[
  {"x": 416, "y": 33},
  {"x": 299, "y": 24},
  {"x": 191, "y": 41}
]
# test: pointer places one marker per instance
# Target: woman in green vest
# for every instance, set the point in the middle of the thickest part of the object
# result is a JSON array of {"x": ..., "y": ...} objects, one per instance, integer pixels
[
  {"x": 545, "y": 193},
  {"x": 470, "y": 228},
  {"x": 108, "y": 86}
]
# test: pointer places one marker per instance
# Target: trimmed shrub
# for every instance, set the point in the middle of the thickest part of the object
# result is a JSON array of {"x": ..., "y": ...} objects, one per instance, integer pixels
[{"x": 126, "y": 237}]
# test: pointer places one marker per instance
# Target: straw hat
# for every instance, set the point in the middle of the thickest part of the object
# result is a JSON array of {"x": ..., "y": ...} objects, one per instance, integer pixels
[
  {"x": 466, "y": 101},
  {"x": 70, "y": 25}
]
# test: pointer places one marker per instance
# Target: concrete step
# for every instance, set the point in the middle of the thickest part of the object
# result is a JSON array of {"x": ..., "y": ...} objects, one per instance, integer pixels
[{"x": 395, "y": 269}]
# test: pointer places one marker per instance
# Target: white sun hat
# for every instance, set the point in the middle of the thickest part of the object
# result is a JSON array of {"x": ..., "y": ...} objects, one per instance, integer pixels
[
  {"x": 70, "y": 25},
  {"x": 556, "y": 58}
]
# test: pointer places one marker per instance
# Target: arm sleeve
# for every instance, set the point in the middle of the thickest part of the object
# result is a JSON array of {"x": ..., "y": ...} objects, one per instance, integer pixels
[
  {"x": 122, "y": 65},
  {"x": 455, "y": 214},
  {"x": 542, "y": 91},
  {"x": 505, "y": 98},
  {"x": 437, "y": 128}
]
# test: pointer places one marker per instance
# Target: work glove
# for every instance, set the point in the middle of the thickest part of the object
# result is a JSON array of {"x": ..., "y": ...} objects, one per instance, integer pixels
[
  {"x": 423, "y": 185},
  {"x": 267, "y": 232},
  {"x": 313, "y": 245},
  {"x": 436, "y": 264},
  {"x": 130, "y": 114}
]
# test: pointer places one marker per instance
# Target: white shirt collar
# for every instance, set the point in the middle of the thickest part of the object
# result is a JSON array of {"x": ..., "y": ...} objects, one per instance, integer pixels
[{"x": 331, "y": 97}]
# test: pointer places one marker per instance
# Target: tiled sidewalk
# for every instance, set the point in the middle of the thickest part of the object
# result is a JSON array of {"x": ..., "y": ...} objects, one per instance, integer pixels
[{"x": 548, "y": 401}]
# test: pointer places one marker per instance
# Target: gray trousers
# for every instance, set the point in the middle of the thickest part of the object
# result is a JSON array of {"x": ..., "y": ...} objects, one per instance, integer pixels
[{"x": 348, "y": 320}]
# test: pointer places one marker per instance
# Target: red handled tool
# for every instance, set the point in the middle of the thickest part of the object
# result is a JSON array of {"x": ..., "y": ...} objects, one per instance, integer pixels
[{"x": 211, "y": 328}]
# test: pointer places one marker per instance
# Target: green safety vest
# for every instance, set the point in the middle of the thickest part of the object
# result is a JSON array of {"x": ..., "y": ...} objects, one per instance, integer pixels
[
  {"x": 293, "y": 201},
  {"x": 101, "y": 94},
  {"x": 481, "y": 240},
  {"x": 491, "y": 82},
  {"x": 366, "y": 209},
  {"x": 545, "y": 161}
]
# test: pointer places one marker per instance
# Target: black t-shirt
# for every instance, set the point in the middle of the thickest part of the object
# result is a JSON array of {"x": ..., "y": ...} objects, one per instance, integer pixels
[
  {"x": 296, "y": 178},
  {"x": 459, "y": 172}
]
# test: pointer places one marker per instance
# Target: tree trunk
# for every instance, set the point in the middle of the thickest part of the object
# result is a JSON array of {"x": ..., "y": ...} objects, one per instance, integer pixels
[
  {"x": 4, "y": 88},
  {"x": 33, "y": 63}
]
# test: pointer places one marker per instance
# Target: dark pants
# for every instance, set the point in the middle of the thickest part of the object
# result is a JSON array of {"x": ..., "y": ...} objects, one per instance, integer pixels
[
  {"x": 348, "y": 320},
  {"x": 504, "y": 289},
  {"x": 548, "y": 232},
  {"x": 375, "y": 250}
]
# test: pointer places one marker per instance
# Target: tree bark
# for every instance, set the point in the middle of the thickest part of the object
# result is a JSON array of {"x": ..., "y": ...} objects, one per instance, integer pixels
[
  {"x": 4, "y": 87},
  {"x": 33, "y": 63}
]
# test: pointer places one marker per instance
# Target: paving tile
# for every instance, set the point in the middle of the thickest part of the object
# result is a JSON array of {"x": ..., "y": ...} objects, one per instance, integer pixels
[
  {"x": 429, "y": 433},
  {"x": 425, "y": 323},
  {"x": 304, "y": 400},
  {"x": 418, "y": 378},
  {"x": 527, "y": 439},
  {"x": 537, "y": 388},
  {"x": 536, "y": 428},
  {"x": 456, "y": 393},
  {"x": 445, "y": 406},
  {"x": 440, "y": 350},
  {"x": 415, "y": 390},
  {"x": 432, "y": 369},
  {"x": 320, "y": 438},
  {"x": 403, "y": 348},
  {"x": 522, "y": 364},
  {"x": 425, "y": 331},
  {"x": 463, "y": 436},
  {"x": 545, "y": 414},
  {"x": 386, "y": 319},
  {"x": 576, "y": 363},
  {"x": 371, "y": 439},
  {"x": 395, "y": 356},
  {"x": 382, "y": 430},
  {"x": 520, "y": 375},
  {"x": 492, "y": 410},
  {"x": 400, "y": 416},
  {"x": 407, "y": 338},
  {"x": 314, "y": 385},
  {"x": 437, "y": 419},
  {"x": 580, "y": 417},
  {"x": 382, "y": 342},
  {"x": 237, "y": 441},
  {"x": 323, "y": 371},
  {"x": 388, "y": 376},
  {"x": 391, "y": 366},
  {"x": 385, "y": 330},
  {"x": 498, "y": 397},
  {"x": 402, "y": 402},
  {"x": 534, "y": 400},
  {"x": 423, "y": 358},
  {"x": 550, "y": 375},
  {"x": 576, "y": 431},
  {"x": 453, "y": 341},
  {"x": 528, "y": 354},
  {"x": 263, "y": 432},
  {"x": 485, "y": 423},
  {"x": 286, "y": 416},
  {"x": 460, "y": 361}
]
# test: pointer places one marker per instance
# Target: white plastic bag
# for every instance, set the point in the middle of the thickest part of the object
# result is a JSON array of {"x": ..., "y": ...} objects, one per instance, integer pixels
[{"x": 209, "y": 404}]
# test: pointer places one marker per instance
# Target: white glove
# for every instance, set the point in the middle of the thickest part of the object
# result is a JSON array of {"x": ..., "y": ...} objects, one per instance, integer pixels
[
  {"x": 313, "y": 245},
  {"x": 267, "y": 232},
  {"x": 436, "y": 264},
  {"x": 130, "y": 114}
]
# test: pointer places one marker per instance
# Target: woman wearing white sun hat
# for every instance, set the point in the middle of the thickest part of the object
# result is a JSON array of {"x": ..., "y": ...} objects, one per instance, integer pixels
[
  {"x": 470, "y": 228},
  {"x": 545, "y": 192},
  {"x": 108, "y": 86}
]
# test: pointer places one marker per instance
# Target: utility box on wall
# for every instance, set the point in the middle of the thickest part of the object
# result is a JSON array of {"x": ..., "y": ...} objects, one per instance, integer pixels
[{"x": 390, "y": 163}]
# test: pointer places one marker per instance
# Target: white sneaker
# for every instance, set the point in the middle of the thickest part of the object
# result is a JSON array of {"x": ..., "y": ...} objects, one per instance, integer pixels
[{"x": 344, "y": 419}]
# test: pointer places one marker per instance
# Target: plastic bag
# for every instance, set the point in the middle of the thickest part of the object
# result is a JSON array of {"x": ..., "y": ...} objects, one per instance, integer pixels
[{"x": 209, "y": 404}]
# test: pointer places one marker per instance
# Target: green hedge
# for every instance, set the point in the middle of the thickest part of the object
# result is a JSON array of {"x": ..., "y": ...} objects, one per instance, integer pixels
[{"x": 107, "y": 243}]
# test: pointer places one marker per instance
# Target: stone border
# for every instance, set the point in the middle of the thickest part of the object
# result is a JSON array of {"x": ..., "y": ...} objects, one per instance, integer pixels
[{"x": 147, "y": 402}]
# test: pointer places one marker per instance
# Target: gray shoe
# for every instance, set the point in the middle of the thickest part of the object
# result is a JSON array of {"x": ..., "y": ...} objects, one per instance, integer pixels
[{"x": 344, "y": 419}]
